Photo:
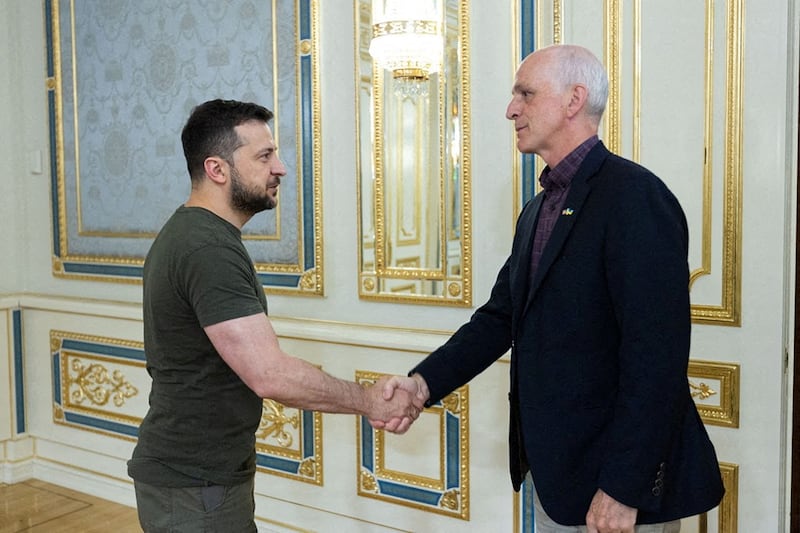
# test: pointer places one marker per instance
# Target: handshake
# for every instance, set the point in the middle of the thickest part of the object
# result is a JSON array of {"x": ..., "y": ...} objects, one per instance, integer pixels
[{"x": 396, "y": 401}]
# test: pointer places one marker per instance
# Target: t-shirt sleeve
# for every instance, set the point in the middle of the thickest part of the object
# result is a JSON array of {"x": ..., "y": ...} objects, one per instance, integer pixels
[{"x": 220, "y": 284}]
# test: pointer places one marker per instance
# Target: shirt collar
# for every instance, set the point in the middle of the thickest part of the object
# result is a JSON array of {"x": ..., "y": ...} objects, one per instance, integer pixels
[{"x": 560, "y": 176}]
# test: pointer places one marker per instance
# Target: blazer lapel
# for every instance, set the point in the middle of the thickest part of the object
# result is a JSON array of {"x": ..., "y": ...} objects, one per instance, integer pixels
[
  {"x": 522, "y": 259},
  {"x": 578, "y": 192}
]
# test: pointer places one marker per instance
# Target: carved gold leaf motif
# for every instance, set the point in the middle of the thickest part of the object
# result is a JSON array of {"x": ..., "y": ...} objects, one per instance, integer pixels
[
  {"x": 450, "y": 500},
  {"x": 368, "y": 482},
  {"x": 93, "y": 383},
  {"x": 702, "y": 390},
  {"x": 273, "y": 422}
]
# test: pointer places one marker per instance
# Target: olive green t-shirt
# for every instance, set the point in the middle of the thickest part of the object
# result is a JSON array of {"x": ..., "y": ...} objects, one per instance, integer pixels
[{"x": 200, "y": 427}]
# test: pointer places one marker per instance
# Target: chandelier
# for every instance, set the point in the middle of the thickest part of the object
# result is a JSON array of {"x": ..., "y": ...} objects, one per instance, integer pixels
[{"x": 407, "y": 37}]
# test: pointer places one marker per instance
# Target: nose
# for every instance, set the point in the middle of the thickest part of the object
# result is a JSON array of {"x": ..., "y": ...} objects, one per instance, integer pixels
[
  {"x": 512, "y": 111},
  {"x": 278, "y": 169}
]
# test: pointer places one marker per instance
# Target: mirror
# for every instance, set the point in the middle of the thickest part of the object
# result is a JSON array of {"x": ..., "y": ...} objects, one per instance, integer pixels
[{"x": 414, "y": 167}]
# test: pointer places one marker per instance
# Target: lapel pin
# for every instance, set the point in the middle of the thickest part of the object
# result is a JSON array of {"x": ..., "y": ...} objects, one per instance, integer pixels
[{"x": 568, "y": 211}]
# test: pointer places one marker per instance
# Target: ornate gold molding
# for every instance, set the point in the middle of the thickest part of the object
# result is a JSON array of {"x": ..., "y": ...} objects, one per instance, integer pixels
[
  {"x": 709, "y": 381},
  {"x": 449, "y": 493},
  {"x": 90, "y": 389},
  {"x": 613, "y": 60},
  {"x": 289, "y": 444},
  {"x": 94, "y": 384},
  {"x": 391, "y": 198},
  {"x": 273, "y": 424},
  {"x": 728, "y": 312},
  {"x": 728, "y": 510}
]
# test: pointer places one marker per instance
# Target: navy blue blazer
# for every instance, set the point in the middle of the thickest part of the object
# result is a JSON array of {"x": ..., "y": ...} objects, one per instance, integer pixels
[{"x": 599, "y": 351}]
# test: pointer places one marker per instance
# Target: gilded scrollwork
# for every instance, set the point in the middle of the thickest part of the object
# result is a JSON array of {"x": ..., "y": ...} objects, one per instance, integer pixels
[
  {"x": 274, "y": 422},
  {"x": 290, "y": 444},
  {"x": 94, "y": 383}
]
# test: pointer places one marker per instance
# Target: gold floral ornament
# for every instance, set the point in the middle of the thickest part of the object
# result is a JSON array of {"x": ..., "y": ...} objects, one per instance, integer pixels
[
  {"x": 701, "y": 391},
  {"x": 308, "y": 468},
  {"x": 368, "y": 481},
  {"x": 452, "y": 403},
  {"x": 451, "y": 500},
  {"x": 93, "y": 383},
  {"x": 273, "y": 423},
  {"x": 308, "y": 281}
]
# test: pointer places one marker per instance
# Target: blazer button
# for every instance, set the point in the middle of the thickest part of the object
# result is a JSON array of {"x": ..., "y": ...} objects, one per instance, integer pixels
[{"x": 656, "y": 491}]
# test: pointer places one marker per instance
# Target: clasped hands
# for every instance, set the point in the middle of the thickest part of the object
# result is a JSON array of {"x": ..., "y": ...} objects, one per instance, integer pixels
[{"x": 397, "y": 401}]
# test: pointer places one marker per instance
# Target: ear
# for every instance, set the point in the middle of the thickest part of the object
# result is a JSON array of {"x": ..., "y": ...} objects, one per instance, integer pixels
[
  {"x": 216, "y": 169},
  {"x": 577, "y": 99}
]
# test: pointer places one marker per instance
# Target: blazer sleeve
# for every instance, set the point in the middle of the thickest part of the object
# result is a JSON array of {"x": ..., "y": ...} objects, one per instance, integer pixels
[
  {"x": 648, "y": 280},
  {"x": 474, "y": 346},
  {"x": 490, "y": 330}
]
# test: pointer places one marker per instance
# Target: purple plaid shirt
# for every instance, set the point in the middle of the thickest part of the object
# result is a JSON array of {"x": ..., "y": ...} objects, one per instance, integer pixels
[{"x": 556, "y": 183}]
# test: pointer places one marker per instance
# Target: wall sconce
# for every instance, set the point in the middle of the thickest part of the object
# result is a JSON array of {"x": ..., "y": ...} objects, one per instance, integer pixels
[{"x": 407, "y": 37}]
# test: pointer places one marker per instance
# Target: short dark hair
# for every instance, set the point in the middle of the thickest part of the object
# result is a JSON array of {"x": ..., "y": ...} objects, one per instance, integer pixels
[{"x": 209, "y": 131}]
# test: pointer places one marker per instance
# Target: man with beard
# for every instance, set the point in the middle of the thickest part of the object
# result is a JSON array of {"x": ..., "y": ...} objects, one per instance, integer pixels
[{"x": 211, "y": 351}]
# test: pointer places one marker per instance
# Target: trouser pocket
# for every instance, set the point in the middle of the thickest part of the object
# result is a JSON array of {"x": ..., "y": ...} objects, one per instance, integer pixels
[{"x": 213, "y": 496}]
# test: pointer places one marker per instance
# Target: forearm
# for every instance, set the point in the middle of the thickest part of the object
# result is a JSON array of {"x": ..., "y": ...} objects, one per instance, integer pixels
[
  {"x": 297, "y": 383},
  {"x": 250, "y": 347}
]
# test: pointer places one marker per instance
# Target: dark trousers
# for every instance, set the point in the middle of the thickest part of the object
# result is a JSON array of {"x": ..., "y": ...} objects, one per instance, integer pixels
[{"x": 215, "y": 508}]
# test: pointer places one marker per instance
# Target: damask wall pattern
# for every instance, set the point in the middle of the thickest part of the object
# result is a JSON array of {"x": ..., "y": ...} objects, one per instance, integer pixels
[{"x": 124, "y": 76}]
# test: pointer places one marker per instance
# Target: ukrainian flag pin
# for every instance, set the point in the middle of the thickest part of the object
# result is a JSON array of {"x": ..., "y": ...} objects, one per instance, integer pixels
[{"x": 568, "y": 211}]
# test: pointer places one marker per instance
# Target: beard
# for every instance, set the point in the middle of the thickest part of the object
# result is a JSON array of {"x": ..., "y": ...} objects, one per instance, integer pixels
[{"x": 249, "y": 200}]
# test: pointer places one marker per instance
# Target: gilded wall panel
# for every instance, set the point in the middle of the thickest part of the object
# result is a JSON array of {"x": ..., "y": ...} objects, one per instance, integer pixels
[
  {"x": 122, "y": 78},
  {"x": 715, "y": 390},
  {"x": 289, "y": 443},
  {"x": 675, "y": 105},
  {"x": 100, "y": 384},
  {"x": 429, "y": 474}
]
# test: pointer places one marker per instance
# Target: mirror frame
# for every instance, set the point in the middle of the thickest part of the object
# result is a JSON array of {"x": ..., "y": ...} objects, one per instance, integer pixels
[{"x": 453, "y": 283}]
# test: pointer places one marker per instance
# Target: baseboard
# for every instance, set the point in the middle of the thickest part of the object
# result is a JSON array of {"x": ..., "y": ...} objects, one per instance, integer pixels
[
  {"x": 16, "y": 472},
  {"x": 94, "y": 484}
]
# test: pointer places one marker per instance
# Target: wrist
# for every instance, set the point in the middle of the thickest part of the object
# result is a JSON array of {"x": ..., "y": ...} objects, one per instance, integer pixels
[{"x": 422, "y": 386}]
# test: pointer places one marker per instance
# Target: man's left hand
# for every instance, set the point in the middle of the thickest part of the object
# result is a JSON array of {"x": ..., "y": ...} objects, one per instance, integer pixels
[{"x": 607, "y": 515}]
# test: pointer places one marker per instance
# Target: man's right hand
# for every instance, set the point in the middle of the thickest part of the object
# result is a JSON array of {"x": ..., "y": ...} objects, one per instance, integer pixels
[
  {"x": 391, "y": 387},
  {"x": 397, "y": 412}
]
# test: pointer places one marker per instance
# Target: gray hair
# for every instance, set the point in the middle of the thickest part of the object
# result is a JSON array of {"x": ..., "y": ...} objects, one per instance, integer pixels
[{"x": 577, "y": 65}]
